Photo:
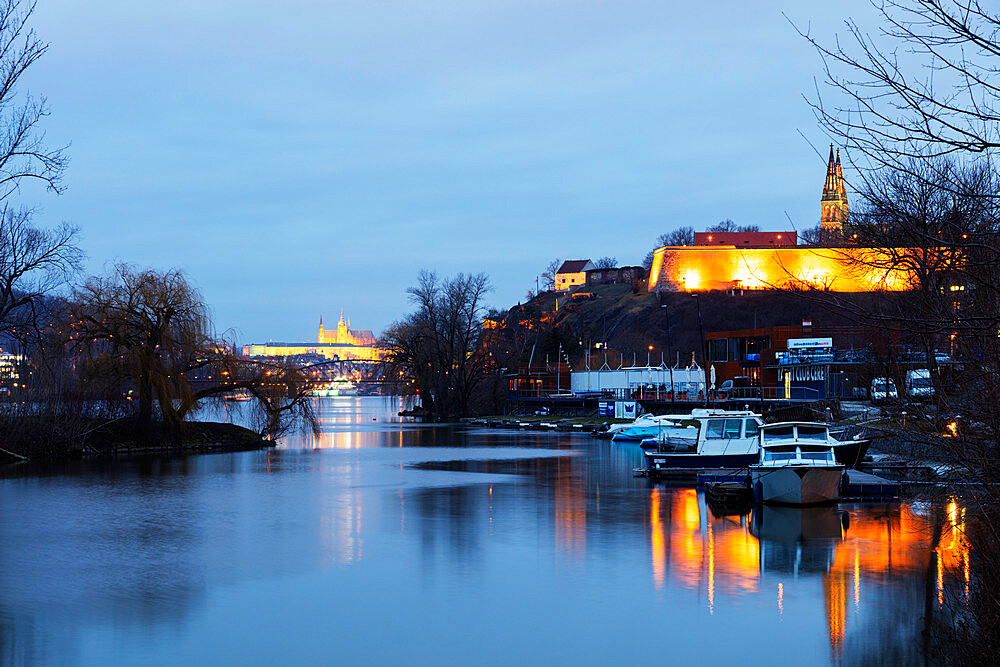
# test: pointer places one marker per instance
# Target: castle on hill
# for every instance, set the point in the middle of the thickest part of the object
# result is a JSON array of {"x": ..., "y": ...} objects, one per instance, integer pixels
[
  {"x": 342, "y": 343},
  {"x": 764, "y": 260},
  {"x": 344, "y": 335}
]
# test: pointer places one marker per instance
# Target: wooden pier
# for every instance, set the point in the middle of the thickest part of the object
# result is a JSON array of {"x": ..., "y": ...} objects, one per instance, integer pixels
[{"x": 857, "y": 485}]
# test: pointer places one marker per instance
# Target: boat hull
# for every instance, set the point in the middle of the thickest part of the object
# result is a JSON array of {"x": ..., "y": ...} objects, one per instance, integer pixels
[
  {"x": 796, "y": 485},
  {"x": 850, "y": 452},
  {"x": 656, "y": 461},
  {"x": 635, "y": 434}
]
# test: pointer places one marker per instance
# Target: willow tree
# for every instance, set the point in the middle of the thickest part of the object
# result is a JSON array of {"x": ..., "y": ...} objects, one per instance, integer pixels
[{"x": 144, "y": 327}]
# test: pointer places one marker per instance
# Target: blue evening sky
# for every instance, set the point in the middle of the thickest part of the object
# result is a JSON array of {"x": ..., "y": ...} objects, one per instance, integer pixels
[{"x": 303, "y": 157}]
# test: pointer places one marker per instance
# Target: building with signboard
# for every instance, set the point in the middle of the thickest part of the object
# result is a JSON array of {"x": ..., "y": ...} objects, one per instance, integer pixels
[{"x": 800, "y": 362}]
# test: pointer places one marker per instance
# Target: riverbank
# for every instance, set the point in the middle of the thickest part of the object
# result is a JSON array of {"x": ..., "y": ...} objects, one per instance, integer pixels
[{"x": 29, "y": 439}]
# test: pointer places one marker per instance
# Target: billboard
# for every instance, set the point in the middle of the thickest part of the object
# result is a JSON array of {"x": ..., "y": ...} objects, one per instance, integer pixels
[{"x": 809, "y": 343}]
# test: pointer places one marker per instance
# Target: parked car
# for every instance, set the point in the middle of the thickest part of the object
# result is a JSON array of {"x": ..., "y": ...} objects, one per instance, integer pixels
[
  {"x": 882, "y": 390},
  {"x": 918, "y": 383}
]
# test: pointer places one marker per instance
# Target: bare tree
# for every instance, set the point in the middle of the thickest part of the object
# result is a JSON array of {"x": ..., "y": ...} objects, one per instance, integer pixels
[
  {"x": 142, "y": 326},
  {"x": 728, "y": 225},
  {"x": 606, "y": 263},
  {"x": 924, "y": 85},
  {"x": 678, "y": 237},
  {"x": 23, "y": 155},
  {"x": 549, "y": 274},
  {"x": 439, "y": 347},
  {"x": 33, "y": 264},
  {"x": 33, "y": 261}
]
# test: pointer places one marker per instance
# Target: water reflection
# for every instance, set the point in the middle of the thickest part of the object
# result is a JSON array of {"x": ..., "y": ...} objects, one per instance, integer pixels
[{"x": 503, "y": 544}]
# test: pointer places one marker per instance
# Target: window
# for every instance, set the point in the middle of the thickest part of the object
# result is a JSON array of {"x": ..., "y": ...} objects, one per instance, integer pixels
[
  {"x": 822, "y": 455},
  {"x": 779, "y": 433},
  {"x": 733, "y": 427},
  {"x": 753, "y": 428},
  {"x": 757, "y": 344},
  {"x": 812, "y": 433},
  {"x": 715, "y": 429},
  {"x": 718, "y": 349},
  {"x": 786, "y": 453}
]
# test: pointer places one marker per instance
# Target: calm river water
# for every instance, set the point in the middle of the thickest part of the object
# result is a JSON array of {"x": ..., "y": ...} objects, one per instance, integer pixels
[{"x": 386, "y": 542}]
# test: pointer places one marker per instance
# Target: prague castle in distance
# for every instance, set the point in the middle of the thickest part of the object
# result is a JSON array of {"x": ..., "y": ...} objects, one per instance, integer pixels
[{"x": 342, "y": 343}]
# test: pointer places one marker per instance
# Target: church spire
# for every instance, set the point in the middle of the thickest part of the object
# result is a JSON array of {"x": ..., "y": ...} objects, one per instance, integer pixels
[{"x": 834, "y": 201}]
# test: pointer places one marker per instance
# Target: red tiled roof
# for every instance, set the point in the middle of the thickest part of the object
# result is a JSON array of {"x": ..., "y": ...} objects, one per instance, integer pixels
[{"x": 573, "y": 265}]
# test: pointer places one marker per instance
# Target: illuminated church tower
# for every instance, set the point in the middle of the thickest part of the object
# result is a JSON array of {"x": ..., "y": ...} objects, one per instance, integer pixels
[
  {"x": 834, "y": 203},
  {"x": 344, "y": 335}
]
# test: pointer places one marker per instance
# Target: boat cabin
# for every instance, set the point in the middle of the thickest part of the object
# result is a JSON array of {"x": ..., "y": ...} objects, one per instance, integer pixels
[{"x": 788, "y": 443}]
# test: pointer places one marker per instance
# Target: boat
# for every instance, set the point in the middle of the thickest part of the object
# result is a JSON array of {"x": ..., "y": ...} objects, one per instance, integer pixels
[
  {"x": 706, "y": 439},
  {"x": 728, "y": 498},
  {"x": 238, "y": 396},
  {"x": 850, "y": 451},
  {"x": 797, "y": 465},
  {"x": 643, "y": 428}
]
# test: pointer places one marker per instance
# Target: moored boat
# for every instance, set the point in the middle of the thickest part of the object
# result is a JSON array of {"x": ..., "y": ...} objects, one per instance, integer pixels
[
  {"x": 706, "y": 439},
  {"x": 643, "y": 428},
  {"x": 797, "y": 465}
]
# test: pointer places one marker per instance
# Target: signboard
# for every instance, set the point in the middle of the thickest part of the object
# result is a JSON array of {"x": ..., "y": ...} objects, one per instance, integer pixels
[
  {"x": 626, "y": 409},
  {"x": 806, "y": 381},
  {"x": 606, "y": 409},
  {"x": 809, "y": 343},
  {"x": 805, "y": 373}
]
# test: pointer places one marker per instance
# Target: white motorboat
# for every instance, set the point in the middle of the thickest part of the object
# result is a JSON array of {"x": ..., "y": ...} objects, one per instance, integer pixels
[
  {"x": 643, "y": 428},
  {"x": 797, "y": 465},
  {"x": 705, "y": 439}
]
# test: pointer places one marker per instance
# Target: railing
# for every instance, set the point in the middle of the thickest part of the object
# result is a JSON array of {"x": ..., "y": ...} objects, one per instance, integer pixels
[{"x": 772, "y": 393}]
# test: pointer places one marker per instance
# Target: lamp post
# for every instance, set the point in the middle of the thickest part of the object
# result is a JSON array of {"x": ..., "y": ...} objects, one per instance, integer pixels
[
  {"x": 701, "y": 330},
  {"x": 666, "y": 313},
  {"x": 649, "y": 352},
  {"x": 701, "y": 326}
]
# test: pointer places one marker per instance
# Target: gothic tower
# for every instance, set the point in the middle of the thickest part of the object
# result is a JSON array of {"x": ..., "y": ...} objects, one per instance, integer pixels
[
  {"x": 342, "y": 329},
  {"x": 834, "y": 202}
]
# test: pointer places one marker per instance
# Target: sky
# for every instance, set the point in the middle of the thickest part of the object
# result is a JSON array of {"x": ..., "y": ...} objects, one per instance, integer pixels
[{"x": 301, "y": 158}]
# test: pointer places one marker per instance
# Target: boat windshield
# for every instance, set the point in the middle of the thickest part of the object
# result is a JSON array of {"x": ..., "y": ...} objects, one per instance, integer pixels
[
  {"x": 812, "y": 433},
  {"x": 779, "y": 453},
  {"x": 813, "y": 453},
  {"x": 714, "y": 429},
  {"x": 753, "y": 428},
  {"x": 778, "y": 433}
]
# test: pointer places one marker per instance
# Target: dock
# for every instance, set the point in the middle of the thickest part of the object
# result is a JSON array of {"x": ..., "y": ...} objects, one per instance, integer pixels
[
  {"x": 857, "y": 485},
  {"x": 866, "y": 486}
]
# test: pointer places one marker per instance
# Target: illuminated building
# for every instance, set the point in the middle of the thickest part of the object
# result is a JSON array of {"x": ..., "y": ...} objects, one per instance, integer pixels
[
  {"x": 768, "y": 260},
  {"x": 573, "y": 272},
  {"x": 834, "y": 203},
  {"x": 344, "y": 335},
  {"x": 342, "y": 343},
  {"x": 10, "y": 374}
]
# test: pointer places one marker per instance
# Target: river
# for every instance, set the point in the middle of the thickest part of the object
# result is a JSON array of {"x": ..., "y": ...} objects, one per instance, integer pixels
[{"x": 388, "y": 542}]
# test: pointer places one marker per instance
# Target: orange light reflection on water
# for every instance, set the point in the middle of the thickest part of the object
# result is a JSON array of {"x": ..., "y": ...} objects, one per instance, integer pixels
[{"x": 689, "y": 545}]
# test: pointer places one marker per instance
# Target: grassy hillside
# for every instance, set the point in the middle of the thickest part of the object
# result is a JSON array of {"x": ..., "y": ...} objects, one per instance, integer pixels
[{"x": 629, "y": 321}]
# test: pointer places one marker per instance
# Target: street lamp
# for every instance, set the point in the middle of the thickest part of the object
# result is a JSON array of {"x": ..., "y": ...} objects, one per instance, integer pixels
[
  {"x": 666, "y": 313},
  {"x": 701, "y": 326},
  {"x": 701, "y": 330},
  {"x": 649, "y": 352}
]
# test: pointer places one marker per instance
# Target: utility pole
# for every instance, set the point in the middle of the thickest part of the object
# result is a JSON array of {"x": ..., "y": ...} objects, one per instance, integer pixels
[
  {"x": 701, "y": 330},
  {"x": 666, "y": 313}
]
